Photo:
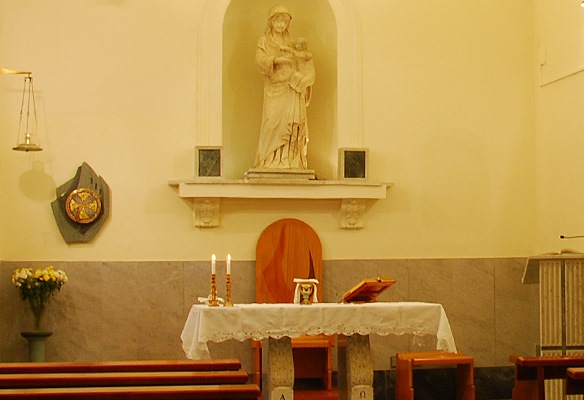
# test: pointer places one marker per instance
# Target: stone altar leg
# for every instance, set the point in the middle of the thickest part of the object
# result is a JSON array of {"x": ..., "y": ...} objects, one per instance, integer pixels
[
  {"x": 278, "y": 377},
  {"x": 355, "y": 367}
]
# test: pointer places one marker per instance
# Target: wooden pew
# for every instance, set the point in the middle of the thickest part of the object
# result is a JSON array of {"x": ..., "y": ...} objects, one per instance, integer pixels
[
  {"x": 216, "y": 392},
  {"x": 148, "y": 380},
  {"x": 96, "y": 379},
  {"x": 121, "y": 366},
  {"x": 575, "y": 381},
  {"x": 531, "y": 373}
]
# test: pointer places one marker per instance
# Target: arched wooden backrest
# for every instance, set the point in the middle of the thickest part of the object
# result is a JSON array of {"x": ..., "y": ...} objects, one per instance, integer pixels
[{"x": 286, "y": 249}]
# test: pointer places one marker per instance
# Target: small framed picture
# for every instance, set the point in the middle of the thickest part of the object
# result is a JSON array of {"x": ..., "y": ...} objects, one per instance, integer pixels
[
  {"x": 353, "y": 163},
  {"x": 208, "y": 162}
]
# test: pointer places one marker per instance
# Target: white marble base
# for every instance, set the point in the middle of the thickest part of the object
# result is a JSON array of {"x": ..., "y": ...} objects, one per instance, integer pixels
[
  {"x": 281, "y": 393},
  {"x": 278, "y": 174},
  {"x": 361, "y": 392}
]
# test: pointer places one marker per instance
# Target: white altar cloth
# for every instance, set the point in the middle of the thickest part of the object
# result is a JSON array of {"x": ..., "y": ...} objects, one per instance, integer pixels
[{"x": 260, "y": 321}]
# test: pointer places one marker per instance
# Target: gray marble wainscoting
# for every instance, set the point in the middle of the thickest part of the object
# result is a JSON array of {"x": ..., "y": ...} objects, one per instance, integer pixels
[{"x": 136, "y": 310}]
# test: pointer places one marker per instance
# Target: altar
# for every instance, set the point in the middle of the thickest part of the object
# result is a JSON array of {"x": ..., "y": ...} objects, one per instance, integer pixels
[{"x": 275, "y": 324}]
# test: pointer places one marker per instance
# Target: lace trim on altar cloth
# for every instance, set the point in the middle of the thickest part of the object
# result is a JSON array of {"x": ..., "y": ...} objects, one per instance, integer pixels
[{"x": 346, "y": 330}]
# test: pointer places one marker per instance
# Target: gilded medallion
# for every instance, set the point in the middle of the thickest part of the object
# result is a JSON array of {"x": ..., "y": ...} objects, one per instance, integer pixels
[{"x": 83, "y": 205}]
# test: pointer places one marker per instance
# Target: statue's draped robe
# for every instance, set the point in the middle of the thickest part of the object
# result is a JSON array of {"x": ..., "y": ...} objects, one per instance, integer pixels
[{"x": 284, "y": 130}]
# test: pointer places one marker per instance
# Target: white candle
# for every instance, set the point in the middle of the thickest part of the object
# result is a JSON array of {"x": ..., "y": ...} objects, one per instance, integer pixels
[
  {"x": 213, "y": 259},
  {"x": 228, "y": 264}
]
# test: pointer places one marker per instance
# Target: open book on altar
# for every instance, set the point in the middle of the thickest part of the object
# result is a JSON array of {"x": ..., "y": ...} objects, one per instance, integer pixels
[{"x": 367, "y": 290}]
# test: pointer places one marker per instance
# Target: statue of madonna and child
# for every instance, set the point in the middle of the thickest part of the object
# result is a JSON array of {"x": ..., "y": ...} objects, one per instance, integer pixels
[{"x": 288, "y": 71}]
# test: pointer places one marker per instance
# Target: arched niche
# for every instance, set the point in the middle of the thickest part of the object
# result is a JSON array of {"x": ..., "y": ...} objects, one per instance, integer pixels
[{"x": 215, "y": 66}]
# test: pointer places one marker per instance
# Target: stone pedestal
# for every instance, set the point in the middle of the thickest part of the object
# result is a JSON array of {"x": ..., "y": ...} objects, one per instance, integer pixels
[
  {"x": 278, "y": 377},
  {"x": 36, "y": 345},
  {"x": 355, "y": 367}
]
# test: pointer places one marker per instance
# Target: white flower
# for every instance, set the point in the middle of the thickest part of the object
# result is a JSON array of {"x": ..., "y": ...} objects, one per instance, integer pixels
[{"x": 61, "y": 276}]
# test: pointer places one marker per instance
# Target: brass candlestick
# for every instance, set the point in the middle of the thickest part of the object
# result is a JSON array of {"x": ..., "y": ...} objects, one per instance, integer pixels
[
  {"x": 213, "y": 301},
  {"x": 228, "y": 302}
]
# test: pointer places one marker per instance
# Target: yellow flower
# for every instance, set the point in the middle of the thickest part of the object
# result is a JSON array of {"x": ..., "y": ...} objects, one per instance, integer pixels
[{"x": 38, "y": 286}]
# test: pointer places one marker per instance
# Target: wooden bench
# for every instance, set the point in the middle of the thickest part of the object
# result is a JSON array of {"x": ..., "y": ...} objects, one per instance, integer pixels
[
  {"x": 158, "y": 379},
  {"x": 575, "y": 381},
  {"x": 217, "y": 392},
  {"x": 532, "y": 372},
  {"x": 121, "y": 366},
  {"x": 96, "y": 379},
  {"x": 406, "y": 362}
]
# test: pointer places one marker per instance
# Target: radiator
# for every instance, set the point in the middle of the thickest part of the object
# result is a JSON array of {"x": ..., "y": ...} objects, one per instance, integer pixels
[{"x": 561, "y": 298}]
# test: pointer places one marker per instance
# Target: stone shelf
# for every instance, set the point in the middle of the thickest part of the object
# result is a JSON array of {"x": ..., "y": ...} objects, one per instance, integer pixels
[{"x": 206, "y": 195}]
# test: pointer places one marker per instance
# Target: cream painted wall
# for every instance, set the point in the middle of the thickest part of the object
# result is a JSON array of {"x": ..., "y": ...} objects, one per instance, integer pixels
[
  {"x": 560, "y": 123},
  {"x": 560, "y": 38},
  {"x": 448, "y": 115}
]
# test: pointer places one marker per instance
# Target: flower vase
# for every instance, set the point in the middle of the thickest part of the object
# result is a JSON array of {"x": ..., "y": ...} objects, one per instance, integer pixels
[
  {"x": 38, "y": 310},
  {"x": 36, "y": 344},
  {"x": 36, "y": 338},
  {"x": 37, "y": 288}
]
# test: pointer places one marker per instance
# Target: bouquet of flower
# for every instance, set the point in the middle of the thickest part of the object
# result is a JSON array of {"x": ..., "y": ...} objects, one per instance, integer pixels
[{"x": 37, "y": 288}]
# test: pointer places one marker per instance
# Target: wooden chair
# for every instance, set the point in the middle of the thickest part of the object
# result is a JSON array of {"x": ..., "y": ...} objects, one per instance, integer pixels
[
  {"x": 575, "y": 381},
  {"x": 532, "y": 372},
  {"x": 288, "y": 249},
  {"x": 406, "y": 362}
]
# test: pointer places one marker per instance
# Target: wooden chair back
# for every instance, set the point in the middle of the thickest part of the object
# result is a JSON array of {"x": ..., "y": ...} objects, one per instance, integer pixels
[{"x": 286, "y": 249}]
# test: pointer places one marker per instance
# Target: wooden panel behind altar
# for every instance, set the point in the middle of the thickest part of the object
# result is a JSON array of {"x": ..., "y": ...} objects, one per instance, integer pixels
[{"x": 286, "y": 249}]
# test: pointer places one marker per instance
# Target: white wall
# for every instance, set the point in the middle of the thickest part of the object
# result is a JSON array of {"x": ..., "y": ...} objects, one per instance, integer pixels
[
  {"x": 560, "y": 124},
  {"x": 448, "y": 115}
]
